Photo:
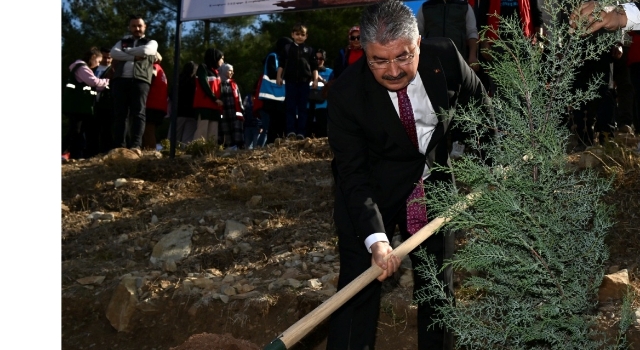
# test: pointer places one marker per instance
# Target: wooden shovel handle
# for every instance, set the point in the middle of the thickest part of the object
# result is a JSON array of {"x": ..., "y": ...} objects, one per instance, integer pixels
[{"x": 304, "y": 325}]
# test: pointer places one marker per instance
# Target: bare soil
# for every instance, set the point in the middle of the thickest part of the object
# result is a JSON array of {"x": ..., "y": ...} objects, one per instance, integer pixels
[{"x": 294, "y": 216}]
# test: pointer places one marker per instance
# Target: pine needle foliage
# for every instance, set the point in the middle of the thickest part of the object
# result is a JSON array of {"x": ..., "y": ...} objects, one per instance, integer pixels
[{"x": 534, "y": 250}]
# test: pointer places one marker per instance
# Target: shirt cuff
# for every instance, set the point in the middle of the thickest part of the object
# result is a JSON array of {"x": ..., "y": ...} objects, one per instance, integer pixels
[
  {"x": 633, "y": 17},
  {"x": 375, "y": 237}
]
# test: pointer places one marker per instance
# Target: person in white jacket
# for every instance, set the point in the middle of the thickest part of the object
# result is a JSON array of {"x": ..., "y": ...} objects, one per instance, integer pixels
[{"x": 133, "y": 58}]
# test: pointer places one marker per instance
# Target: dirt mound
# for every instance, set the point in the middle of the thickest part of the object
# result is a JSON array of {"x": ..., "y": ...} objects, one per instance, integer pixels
[
  {"x": 252, "y": 286},
  {"x": 207, "y": 341}
]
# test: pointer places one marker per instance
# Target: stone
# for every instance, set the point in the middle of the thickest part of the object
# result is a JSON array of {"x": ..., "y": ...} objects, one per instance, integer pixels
[
  {"x": 204, "y": 283},
  {"x": 329, "y": 258},
  {"x": 91, "y": 280},
  {"x": 170, "y": 266},
  {"x": 95, "y": 215},
  {"x": 275, "y": 285},
  {"x": 614, "y": 269},
  {"x": 252, "y": 294},
  {"x": 154, "y": 220},
  {"x": 330, "y": 279},
  {"x": 614, "y": 286},
  {"x": 120, "y": 182},
  {"x": 254, "y": 201},
  {"x": 591, "y": 158},
  {"x": 244, "y": 247},
  {"x": 314, "y": 283},
  {"x": 290, "y": 273},
  {"x": 228, "y": 290},
  {"x": 119, "y": 155},
  {"x": 176, "y": 245},
  {"x": 638, "y": 317},
  {"x": 228, "y": 279},
  {"x": 123, "y": 305},
  {"x": 187, "y": 285},
  {"x": 233, "y": 230},
  {"x": 123, "y": 238},
  {"x": 294, "y": 283},
  {"x": 406, "y": 279},
  {"x": 107, "y": 217},
  {"x": 246, "y": 288},
  {"x": 224, "y": 298}
]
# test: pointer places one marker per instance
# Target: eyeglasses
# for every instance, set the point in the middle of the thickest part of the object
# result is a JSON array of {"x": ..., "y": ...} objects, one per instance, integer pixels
[
  {"x": 319, "y": 59},
  {"x": 353, "y": 38},
  {"x": 400, "y": 61}
]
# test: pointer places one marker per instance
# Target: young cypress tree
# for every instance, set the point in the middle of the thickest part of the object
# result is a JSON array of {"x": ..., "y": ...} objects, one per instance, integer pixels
[{"x": 534, "y": 249}]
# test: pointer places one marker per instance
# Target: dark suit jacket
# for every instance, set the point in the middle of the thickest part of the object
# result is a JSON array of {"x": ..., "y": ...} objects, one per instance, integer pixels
[{"x": 375, "y": 165}]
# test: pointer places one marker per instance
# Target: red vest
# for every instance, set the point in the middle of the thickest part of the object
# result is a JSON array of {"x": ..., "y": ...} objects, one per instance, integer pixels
[
  {"x": 157, "y": 98},
  {"x": 524, "y": 8},
  {"x": 201, "y": 100},
  {"x": 633, "y": 56},
  {"x": 236, "y": 98}
]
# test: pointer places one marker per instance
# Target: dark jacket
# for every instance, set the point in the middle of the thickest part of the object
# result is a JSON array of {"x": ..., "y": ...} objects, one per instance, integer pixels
[
  {"x": 298, "y": 62},
  {"x": 375, "y": 164}
]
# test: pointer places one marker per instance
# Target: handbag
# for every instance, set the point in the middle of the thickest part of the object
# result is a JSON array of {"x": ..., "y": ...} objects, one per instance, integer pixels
[
  {"x": 315, "y": 95},
  {"x": 269, "y": 90},
  {"x": 77, "y": 97}
]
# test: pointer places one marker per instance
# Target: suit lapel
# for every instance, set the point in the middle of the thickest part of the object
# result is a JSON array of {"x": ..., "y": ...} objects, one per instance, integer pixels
[{"x": 435, "y": 84}]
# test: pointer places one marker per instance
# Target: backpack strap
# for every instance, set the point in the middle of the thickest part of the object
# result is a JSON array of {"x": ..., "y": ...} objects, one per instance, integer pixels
[{"x": 73, "y": 73}]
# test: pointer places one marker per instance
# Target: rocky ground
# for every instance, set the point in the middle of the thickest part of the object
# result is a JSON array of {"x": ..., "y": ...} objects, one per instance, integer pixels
[{"x": 238, "y": 245}]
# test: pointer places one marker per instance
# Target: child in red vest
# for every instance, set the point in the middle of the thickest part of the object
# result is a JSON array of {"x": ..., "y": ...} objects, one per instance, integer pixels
[{"x": 156, "y": 105}]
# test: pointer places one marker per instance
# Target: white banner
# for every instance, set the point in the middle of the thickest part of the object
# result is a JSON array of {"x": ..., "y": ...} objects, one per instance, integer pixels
[{"x": 207, "y": 9}]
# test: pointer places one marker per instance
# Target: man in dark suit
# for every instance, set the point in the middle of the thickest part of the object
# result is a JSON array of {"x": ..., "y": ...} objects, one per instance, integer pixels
[{"x": 386, "y": 138}]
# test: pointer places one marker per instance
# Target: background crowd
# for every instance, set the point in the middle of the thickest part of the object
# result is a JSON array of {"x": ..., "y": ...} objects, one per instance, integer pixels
[{"x": 132, "y": 93}]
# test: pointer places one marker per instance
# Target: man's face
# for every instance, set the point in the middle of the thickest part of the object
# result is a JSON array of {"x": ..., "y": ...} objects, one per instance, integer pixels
[
  {"x": 395, "y": 75},
  {"x": 106, "y": 59},
  {"x": 299, "y": 37},
  {"x": 320, "y": 59},
  {"x": 137, "y": 27}
]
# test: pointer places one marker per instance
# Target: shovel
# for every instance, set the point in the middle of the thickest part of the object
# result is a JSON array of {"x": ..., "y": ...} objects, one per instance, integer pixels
[{"x": 304, "y": 325}]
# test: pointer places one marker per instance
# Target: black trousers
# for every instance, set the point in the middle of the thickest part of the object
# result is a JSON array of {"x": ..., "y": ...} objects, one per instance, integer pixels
[
  {"x": 75, "y": 141},
  {"x": 129, "y": 98},
  {"x": 353, "y": 326},
  {"x": 99, "y": 132}
]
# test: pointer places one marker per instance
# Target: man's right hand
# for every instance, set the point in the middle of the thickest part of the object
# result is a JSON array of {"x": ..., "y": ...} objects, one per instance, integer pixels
[
  {"x": 279, "y": 81},
  {"x": 379, "y": 251}
]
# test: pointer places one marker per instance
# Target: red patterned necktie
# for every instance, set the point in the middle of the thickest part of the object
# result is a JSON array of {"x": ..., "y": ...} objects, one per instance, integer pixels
[{"x": 416, "y": 212}]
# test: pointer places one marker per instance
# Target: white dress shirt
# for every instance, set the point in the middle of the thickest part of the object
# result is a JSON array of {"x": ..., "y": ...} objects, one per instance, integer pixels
[
  {"x": 426, "y": 122},
  {"x": 633, "y": 17}
]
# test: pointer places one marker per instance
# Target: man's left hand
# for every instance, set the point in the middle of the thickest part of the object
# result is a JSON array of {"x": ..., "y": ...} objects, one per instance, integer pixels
[{"x": 595, "y": 17}]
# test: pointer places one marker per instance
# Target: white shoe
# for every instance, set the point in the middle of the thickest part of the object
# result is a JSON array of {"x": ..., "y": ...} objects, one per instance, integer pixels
[{"x": 457, "y": 150}]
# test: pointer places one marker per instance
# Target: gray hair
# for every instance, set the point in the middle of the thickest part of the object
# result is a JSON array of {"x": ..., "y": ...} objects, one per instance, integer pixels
[
  {"x": 223, "y": 70},
  {"x": 387, "y": 21}
]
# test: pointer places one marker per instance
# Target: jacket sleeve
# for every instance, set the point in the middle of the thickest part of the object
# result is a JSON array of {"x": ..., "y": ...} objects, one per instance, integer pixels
[
  {"x": 351, "y": 169},
  {"x": 119, "y": 55},
  {"x": 85, "y": 75},
  {"x": 149, "y": 49}
]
